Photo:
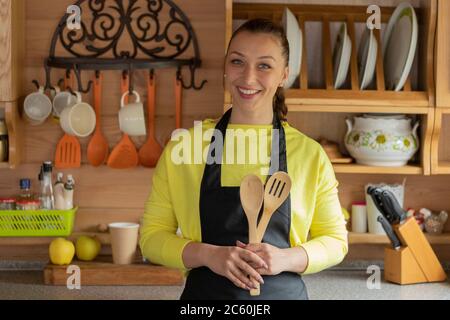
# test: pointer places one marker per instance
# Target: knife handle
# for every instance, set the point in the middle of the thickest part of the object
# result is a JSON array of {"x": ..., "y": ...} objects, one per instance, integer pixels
[{"x": 390, "y": 232}]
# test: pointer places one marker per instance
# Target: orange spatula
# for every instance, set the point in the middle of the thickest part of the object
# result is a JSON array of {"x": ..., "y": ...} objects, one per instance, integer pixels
[
  {"x": 124, "y": 155},
  {"x": 68, "y": 150},
  {"x": 178, "y": 105},
  {"x": 151, "y": 150}
]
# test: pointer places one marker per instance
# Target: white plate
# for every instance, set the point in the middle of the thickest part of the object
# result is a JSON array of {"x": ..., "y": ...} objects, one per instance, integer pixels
[
  {"x": 399, "y": 46},
  {"x": 341, "y": 56},
  {"x": 295, "y": 38},
  {"x": 367, "y": 58}
]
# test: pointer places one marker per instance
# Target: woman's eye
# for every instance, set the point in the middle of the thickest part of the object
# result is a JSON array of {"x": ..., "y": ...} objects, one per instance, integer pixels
[
  {"x": 264, "y": 66},
  {"x": 236, "y": 61}
]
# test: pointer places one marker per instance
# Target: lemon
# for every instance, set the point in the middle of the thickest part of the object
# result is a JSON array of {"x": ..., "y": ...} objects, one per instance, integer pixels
[
  {"x": 87, "y": 248},
  {"x": 61, "y": 251}
]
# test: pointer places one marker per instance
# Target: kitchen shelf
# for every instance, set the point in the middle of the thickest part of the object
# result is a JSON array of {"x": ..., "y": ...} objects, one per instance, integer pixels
[
  {"x": 367, "y": 238},
  {"x": 355, "y": 168},
  {"x": 304, "y": 105},
  {"x": 411, "y": 100}
]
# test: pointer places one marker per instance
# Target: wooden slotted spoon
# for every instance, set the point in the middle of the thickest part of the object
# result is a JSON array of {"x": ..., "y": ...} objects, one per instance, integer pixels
[
  {"x": 68, "y": 150},
  {"x": 151, "y": 151},
  {"x": 124, "y": 155},
  {"x": 252, "y": 195},
  {"x": 276, "y": 192},
  {"x": 98, "y": 148}
]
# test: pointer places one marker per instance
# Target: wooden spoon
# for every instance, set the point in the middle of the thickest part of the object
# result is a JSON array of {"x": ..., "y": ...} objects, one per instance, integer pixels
[
  {"x": 252, "y": 195},
  {"x": 98, "y": 148},
  {"x": 151, "y": 151},
  {"x": 124, "y": 155},
  {"x": 276, "y": 192}
]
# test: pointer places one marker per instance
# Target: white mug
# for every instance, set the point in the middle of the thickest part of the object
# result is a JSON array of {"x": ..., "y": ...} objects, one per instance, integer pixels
[
  {"x": 37, "y": 107},
  {"x": 62, "y": 100},
  {"x": 131, "y": 116},
  {"x": 78, "y": 120}
]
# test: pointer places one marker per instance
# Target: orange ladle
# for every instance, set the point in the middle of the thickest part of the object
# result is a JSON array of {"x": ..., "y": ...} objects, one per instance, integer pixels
[
  {"x": 124, "y": 155},
  {"x": 98, "y": 148},
  {"x": 151, "y": 151}
]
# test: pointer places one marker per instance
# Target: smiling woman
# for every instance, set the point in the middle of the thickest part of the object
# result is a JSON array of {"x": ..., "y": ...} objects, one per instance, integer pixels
[{"x": 203, "y": 199}]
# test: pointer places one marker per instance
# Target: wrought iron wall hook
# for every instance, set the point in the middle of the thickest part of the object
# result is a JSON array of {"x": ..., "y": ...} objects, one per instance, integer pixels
[
  {"x": 80, "y": 85},
  {"x": 192, "y": 84},
  {"x": 36, "y": 83}
]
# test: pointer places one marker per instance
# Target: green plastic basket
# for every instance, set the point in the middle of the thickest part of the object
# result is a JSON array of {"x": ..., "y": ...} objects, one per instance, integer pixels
[{"x": 39, "y": 223}]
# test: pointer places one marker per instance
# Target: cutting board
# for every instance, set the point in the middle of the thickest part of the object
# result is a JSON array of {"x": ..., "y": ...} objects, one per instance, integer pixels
[{"x": 103, "y": 272}]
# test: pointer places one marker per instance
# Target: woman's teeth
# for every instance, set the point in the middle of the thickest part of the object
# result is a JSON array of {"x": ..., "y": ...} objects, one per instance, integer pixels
[{"x": 248, "y": 92}]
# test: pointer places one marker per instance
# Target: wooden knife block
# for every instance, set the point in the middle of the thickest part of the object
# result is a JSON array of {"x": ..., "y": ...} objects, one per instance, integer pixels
[{"x": 416, "y": 261}]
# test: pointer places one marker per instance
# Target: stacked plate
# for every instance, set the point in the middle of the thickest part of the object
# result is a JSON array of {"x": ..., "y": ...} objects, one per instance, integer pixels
[
  {"x": 399, "y": 46},
  {"x": 295, "y": 38}
]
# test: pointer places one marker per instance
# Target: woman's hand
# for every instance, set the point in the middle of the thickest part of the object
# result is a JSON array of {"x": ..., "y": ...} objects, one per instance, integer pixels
[
  {"x": 236, "y": 264},
  {"x": 231, "y": 262},
  {"x": 278, "y": 260}
]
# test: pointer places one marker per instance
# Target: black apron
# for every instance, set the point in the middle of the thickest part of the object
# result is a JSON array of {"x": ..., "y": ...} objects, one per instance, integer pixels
[{"x": 223, "y": 221}]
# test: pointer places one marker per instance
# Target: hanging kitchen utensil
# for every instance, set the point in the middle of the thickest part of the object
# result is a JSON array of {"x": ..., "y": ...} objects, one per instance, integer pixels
[
  {"x": 98, "y": 148},
  {"x": 151, "y": 151},
  {"x": 124, "y": 155},
  {"x": 68, "y": 150},
  {"x": 276, "y": 192},
  {"x": 252, "y": 196},
  {"x": 178, "y": 103}
]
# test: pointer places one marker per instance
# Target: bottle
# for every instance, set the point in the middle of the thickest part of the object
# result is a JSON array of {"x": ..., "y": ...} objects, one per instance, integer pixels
[
  {"x": 58, "y": 191},
  {"x": 68, "y": 192},
  {"x": 25, "y": 190},
  {"x": 47, "y": 198}
]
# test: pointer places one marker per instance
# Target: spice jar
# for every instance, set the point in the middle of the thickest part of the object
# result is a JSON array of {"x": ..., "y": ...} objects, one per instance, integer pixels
[
  {"x": 28, "y": 205},
  {"x": 434, "y": 224},
  {"x": 7, "y": 204},
  {"x": 4, "y": 148}
]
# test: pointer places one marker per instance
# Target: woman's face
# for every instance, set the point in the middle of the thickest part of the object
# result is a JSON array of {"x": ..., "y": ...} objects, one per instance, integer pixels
[{"x": 254, "y": 68}]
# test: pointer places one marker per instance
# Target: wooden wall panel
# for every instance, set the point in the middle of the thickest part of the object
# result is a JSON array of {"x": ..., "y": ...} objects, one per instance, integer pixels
[{"x": 106, "y": 195}]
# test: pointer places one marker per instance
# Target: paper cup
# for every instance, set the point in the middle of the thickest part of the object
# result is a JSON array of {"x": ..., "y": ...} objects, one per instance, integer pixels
[
  {"x": 131, "y": 117},
  {"x": 37, "y": 107},
  {"x": 124, "y": 241}
]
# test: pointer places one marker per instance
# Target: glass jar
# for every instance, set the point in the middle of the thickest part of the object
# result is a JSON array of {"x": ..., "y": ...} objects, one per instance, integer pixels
[
  {"x": 433, "y": 224},
  {"x": 28, "y": 205},
  {"x": 7, "y": 204}
]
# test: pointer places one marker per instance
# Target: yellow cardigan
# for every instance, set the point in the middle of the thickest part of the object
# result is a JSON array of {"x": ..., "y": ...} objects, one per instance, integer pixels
[{"x": 172, "y": 218}]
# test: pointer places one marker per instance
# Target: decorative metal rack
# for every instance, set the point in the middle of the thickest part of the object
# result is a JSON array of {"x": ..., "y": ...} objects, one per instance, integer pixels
[{"x": 97, "y": 44}]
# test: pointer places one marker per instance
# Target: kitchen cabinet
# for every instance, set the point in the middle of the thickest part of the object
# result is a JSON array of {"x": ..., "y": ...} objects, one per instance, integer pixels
[
  {"x": 319, "y": 110},
  {"x": 440, "y": 151},
  {"x": 442, "y": 65},
  {"x": 12, "y": 48}
]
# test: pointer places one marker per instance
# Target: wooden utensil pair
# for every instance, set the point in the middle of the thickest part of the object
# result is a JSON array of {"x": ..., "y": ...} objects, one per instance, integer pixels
[{"x": 252, "y": 194}]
